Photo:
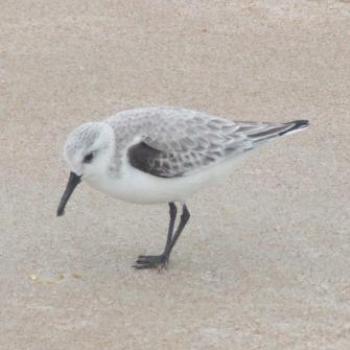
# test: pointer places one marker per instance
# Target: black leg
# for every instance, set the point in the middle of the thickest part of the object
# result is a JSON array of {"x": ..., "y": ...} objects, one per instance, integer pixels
[
  {"x": 151, "y": 261},
  {"x": 161, "y": 261},
  {"x": 185, "y": 216},
  {"x": 172, "y": 213}
]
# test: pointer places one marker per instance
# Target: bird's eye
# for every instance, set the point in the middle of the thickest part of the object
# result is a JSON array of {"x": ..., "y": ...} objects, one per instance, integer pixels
[{"x": 88, "y": 158}]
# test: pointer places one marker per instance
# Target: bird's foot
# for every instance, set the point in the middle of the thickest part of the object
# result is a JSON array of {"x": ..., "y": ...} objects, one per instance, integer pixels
[{"x": 159, "y": 262}]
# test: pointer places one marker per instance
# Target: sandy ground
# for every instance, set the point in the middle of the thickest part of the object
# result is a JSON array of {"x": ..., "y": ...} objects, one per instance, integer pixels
[{"x": 264, "y": 263}]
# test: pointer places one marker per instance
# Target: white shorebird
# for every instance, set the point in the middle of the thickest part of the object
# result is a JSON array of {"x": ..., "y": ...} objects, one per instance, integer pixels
[{"x": 157, "y": 155}]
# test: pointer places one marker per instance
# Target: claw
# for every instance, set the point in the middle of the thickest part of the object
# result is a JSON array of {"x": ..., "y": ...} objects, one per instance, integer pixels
[
  {"x": 151, "y": 262},
  {"x": 143, "y": 266}
]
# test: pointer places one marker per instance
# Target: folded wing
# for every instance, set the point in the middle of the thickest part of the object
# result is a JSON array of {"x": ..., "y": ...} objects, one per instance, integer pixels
[{"x": 201, "y": 142}]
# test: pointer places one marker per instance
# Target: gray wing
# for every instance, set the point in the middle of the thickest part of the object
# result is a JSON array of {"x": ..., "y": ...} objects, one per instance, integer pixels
[{"x": 181, "y": 144}]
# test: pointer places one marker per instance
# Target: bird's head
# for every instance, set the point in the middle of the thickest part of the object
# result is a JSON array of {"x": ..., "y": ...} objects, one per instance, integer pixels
[{"x": 87, "y": 152}]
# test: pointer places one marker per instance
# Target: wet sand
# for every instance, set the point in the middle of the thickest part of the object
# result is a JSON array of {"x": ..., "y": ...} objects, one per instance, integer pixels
[{"x": 264, "y": 262}]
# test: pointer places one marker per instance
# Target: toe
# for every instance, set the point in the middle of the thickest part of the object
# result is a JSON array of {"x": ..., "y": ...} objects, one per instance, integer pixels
[
  {"x": 140, "y": 266},
  {"x": 151, "y": 262}
]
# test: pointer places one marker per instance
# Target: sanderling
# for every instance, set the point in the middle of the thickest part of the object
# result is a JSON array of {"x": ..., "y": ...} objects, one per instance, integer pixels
[{"x": 161, "y": 155}]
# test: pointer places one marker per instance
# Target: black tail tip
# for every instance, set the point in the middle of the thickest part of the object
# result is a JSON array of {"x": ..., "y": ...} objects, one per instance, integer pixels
[
  {"x": 300, "y": 124},
  {"x": 295, "y": 125}
]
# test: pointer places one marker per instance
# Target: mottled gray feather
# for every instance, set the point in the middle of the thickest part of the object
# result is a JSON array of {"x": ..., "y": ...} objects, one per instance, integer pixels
[{"x": 170, "y": 142}]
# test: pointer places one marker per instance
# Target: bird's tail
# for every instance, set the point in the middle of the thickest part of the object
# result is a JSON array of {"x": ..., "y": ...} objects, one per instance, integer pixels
[{"x": 272, "y": 130}]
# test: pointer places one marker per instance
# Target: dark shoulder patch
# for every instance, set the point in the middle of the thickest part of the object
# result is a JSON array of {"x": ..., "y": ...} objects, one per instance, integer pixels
[{"x": 152, "y": 161}]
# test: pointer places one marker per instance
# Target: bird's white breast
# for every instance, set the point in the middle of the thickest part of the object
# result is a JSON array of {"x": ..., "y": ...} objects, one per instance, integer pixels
[{"x": 135, "y": 186}]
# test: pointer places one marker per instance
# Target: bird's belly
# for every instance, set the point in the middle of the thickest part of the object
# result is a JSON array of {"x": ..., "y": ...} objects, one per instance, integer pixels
[{"x": 138, "y": 187}]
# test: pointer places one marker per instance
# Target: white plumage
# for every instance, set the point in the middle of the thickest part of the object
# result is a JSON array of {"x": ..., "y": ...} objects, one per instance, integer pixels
[
  {"x": 178, "y": 151},
  {"x": 161, "y": 155}
]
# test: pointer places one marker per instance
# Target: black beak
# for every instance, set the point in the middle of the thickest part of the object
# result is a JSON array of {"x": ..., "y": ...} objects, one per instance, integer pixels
[{"x": 73, "y": 182}]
